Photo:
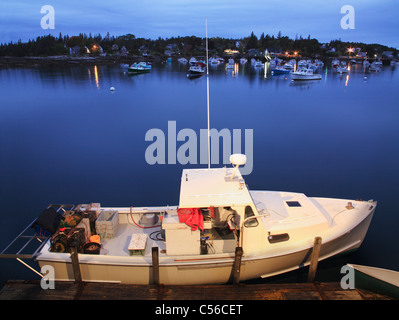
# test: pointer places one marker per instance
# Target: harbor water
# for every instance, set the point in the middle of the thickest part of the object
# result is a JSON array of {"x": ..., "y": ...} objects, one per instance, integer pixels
[{"x": 65, "y": 137}]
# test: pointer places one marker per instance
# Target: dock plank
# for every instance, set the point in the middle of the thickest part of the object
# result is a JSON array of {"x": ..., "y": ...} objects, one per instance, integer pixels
[{"x": 31, "y": 290}]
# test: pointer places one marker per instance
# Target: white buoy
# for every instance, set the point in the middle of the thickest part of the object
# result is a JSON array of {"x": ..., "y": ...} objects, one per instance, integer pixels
[{"x": 112, "y": 89}]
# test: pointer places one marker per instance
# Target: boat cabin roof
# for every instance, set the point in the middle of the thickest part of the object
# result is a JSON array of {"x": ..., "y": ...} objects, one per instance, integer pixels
[{"x": 213, "y": 187}]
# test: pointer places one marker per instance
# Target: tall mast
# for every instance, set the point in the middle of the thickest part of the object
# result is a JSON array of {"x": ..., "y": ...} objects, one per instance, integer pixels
[{"x": 207, "y": 94}]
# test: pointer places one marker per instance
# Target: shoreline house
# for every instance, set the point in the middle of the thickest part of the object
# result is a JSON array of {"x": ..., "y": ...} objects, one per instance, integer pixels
[{"x": 74, "y": 51}]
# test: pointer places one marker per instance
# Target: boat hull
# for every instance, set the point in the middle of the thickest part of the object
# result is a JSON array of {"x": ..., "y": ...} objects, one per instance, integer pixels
[
  {"x": 305, "y": 78},
  {"x": 191, "y": 270},
  {"x": 137, "y": 71},
  {"x": 376, "y": 280}
]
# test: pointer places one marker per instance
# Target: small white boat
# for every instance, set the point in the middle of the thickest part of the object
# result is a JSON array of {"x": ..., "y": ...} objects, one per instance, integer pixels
[
  {"x": 305, "y": 74},
  {"x": 377, "y": 280},
  {"x": 290, "y": 65},
  {"x": 193, "y": 61},
  {"x": 196, "y": 70},
  {"x": 182, "y": 60},
  {"x": 335, "y": 63},
  {"x": 213, "y": 61},
  {"x": 342, "y": 70},
  {"x": 243, "y": 60},
  {"x": 319, "y": 64},
  {"x": 258, "y": 64},
  {"x": 302, "y": 64},
  {"x": 374, "y": 67},
  {"x": 230, "y": 64},
  {"x": 279, "y": 70},
  {"x": 140, "y": 67}
]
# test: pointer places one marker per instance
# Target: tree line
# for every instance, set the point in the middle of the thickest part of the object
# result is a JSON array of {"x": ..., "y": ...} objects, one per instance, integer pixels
[{"x": 50, "y": 45}]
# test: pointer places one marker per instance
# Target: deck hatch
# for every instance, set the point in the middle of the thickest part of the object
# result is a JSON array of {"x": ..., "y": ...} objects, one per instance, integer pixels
[{"x": 293, "y": 204}]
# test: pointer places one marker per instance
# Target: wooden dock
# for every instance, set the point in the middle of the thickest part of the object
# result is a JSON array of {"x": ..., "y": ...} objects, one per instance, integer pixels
[{"x": 31, "y": 290}]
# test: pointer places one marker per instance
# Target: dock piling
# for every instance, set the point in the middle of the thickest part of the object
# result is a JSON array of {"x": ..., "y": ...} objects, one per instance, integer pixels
[
  {"x": 75, "y": 265},
  {"x": 155, "y": 265},
  {"x": 237, "y": 265},
  {"x": 314, "y": 259}
]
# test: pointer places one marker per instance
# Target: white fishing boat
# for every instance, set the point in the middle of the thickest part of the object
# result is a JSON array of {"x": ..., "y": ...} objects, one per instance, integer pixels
[
  {"x": 378, "y": 280},
  {"x": 243, "y": 60},
  {"x": 197, "y": 238},
  {"x": 304, "y": 74}
]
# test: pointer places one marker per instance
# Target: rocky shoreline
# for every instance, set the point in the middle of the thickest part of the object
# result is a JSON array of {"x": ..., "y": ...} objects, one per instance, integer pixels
[{"x": 49, "y": 61}]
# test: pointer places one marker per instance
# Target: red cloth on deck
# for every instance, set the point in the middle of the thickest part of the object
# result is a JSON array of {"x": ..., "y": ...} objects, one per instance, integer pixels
[{"x": 194, "y": 219}]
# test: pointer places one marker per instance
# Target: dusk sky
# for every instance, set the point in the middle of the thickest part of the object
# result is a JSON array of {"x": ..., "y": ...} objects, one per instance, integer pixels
[{"x": 375, "y": 21}]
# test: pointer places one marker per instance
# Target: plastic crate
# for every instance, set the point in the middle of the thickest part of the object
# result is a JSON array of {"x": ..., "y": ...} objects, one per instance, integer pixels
[{"x": 107, "y": 224}]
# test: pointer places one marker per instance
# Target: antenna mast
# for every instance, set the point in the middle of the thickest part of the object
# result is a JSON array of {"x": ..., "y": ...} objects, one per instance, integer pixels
[{"x": 207, "y": 94}]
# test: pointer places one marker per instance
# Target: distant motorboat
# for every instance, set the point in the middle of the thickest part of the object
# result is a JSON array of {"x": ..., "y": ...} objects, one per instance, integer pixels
[
  {"x": 305, "y": 74},
  {"x": 182, "y": 60},
  {"x": 302, "y": 64},
  {"x": 280, "y": 70},
  {"x": 230, "y": 64},
  {"x": 335, "y": 63},
  {"x": 193, "y": 61},
  {"x": 374, "y": 67},
  {"x": 258, "y": 64},
  {"x": 196, "y": 71},
  {"x": 319, "y": 64},
  {"x": 140, "y": 67},
  {"x": 290, "y": 65},
  {"x": 213, "y": 61},
  {"x": 342, "y": 70},
  {"x": 243, "y": 60}
]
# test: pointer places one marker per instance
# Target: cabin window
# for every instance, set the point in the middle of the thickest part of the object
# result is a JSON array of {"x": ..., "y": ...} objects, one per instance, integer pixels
[
  {"x": 293, "y": 204},
  {"x": 251, "y": 222}
]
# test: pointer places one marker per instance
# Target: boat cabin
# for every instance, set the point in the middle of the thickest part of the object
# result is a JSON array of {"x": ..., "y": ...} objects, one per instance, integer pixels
[{"x": 214, "y": 206}]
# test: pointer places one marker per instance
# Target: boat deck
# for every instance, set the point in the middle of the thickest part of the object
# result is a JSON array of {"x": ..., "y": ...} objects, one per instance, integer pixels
[{"x": 118, "y": 246}]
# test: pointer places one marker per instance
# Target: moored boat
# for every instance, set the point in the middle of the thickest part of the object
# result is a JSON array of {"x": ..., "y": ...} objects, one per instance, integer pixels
[
  {"x": 197, "y": 238},
  {"x": 374, "y": 67},
  {"x": 140, "y": 67},
  {"x": 379, "y": 280},
  {"x": 230, "y": 64},
  {"x": 341, "y": 70},
  {"x": 280, "y": 70},
  {"x": 196, "y": 70},
  {"x": 305, "y": 74}
]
